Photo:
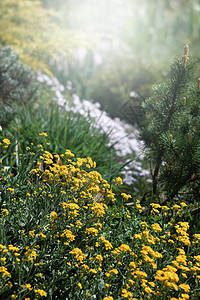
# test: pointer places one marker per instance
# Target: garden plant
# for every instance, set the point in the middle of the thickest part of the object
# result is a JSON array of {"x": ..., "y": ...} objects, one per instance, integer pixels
[
  {"x": 73, "y": 230},
  {"x": 66, "y": 235},
  {"x": 171, "y": 134}
]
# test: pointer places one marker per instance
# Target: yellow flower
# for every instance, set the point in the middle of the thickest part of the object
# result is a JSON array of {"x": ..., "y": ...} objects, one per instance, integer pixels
[
  {"x": 185, "y": 287},
  {"x": 107, "y": 244},
  {"x": 170, "y": 241},
  {"x": 42, "y": 235},
  {"x": 27, "y": 286},
  {"x": 13, "y": 248},
  {"x": 93, "y": 271},
  {"x": 197, "y": 257},
  {"x": 43, "y": 134},
  {"x": 148, "y": 290},
  {"x": 156, "y": 227},
  {"x": 119, "y": 181},
  {"x": 183, "y": 204},
  {"x": 11, "y": 190},
  {"x": 68, "y": 234},
  {"x": 6, "y": 141},
  {"x": 31, "y": 254},
  {"x": 99, "y": 257},
  {"x": 91, "y": 163},
  {"x": 92, "y": 231},
  {"x": 133, "y": 265},
  {"x": 78, "y": 254},
  {"x": 69, "y": 153},
  {"x": 126, "y": 196},
  {"x": 99, "y": 209},
  {"x": 53, "y": 215},
  {"x": 31, "y": 233},
  {"x": 2, "y": 247},
  {"x": 42, "y": 293},
  {"x": 108, "y": 298},
  {"x": 126, "y": 294},
  {"x": 85, "y": 267},
  {"x": 139, "y": 273},
  {"x": 124, "y": 248},
  {"x": 79, "y": 285},
  {"x": 197, "y": 236},
  {"x": 168, "y": 276},
  {"x": 4, "y": 212},
  {"x": 79, "y": 224},
  {"x": 155, "y": 205},
  {"x": 114, "y": 271},
  {"x": 5, "y": 272},
  {"x": 138, "y": 236},
  {"x": 40, "y": 275},
  {"x": 3, "y": 259},
  {"x": 176, "y": 206},
  {"x": 138, "y": 206},
  {"x": 184, "y": 297}
]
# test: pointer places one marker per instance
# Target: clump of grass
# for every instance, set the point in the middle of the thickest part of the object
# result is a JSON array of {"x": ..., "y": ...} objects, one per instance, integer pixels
[
  {"x": 66, "y": 235},
  {"x": 65, "y": 130}
]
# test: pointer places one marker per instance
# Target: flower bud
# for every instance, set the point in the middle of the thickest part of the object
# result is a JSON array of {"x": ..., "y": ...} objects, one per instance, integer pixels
[
  {"x": 171, "y": 138},
  {"x": 185, "y": 57},
  {"x": 186, "y": 50},
  {"x": 198, "y": 83}
]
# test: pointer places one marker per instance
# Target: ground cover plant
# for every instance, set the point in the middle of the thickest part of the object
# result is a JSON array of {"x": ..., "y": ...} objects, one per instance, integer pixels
[{"x": 65, "y": 235}]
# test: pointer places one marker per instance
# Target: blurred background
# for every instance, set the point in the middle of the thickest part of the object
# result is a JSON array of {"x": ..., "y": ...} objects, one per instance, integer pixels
[
  {"x": 130, "y": 44},
  {"x": 113, "y": 51}
]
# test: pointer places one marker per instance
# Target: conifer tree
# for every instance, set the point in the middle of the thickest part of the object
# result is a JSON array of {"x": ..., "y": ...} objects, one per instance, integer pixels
[{"x": 171, "y": 133}]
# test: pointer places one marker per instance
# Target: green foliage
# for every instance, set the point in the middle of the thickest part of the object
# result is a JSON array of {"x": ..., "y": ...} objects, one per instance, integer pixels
[
  {"x": 17, "y": 84},
  {"x": 57, "y": 242},
  {"x": 171, "y": 133},
  {"x": 64, "y": 130},
  {"x": 17, "y": 81}
]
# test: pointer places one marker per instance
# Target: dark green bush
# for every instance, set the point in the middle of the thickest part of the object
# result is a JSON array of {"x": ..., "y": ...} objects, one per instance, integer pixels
[
  {"x": 16, "y": 79},
  {"x": 171, "y": 134},
  {"x": 17, "y": 83}
]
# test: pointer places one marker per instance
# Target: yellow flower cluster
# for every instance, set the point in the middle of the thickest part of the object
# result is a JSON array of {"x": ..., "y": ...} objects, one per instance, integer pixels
[
  {"x": 90, "y": 244},
  {"x": 106, "y": 243},
  {"x": 43, "y": 134},
  {"x": 6, "y": 141}
]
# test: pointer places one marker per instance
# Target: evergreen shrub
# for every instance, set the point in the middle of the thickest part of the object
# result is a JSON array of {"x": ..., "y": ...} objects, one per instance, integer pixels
[
  {"x": 171, "y": 133},
  {"x": 17, "y": 84}
]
